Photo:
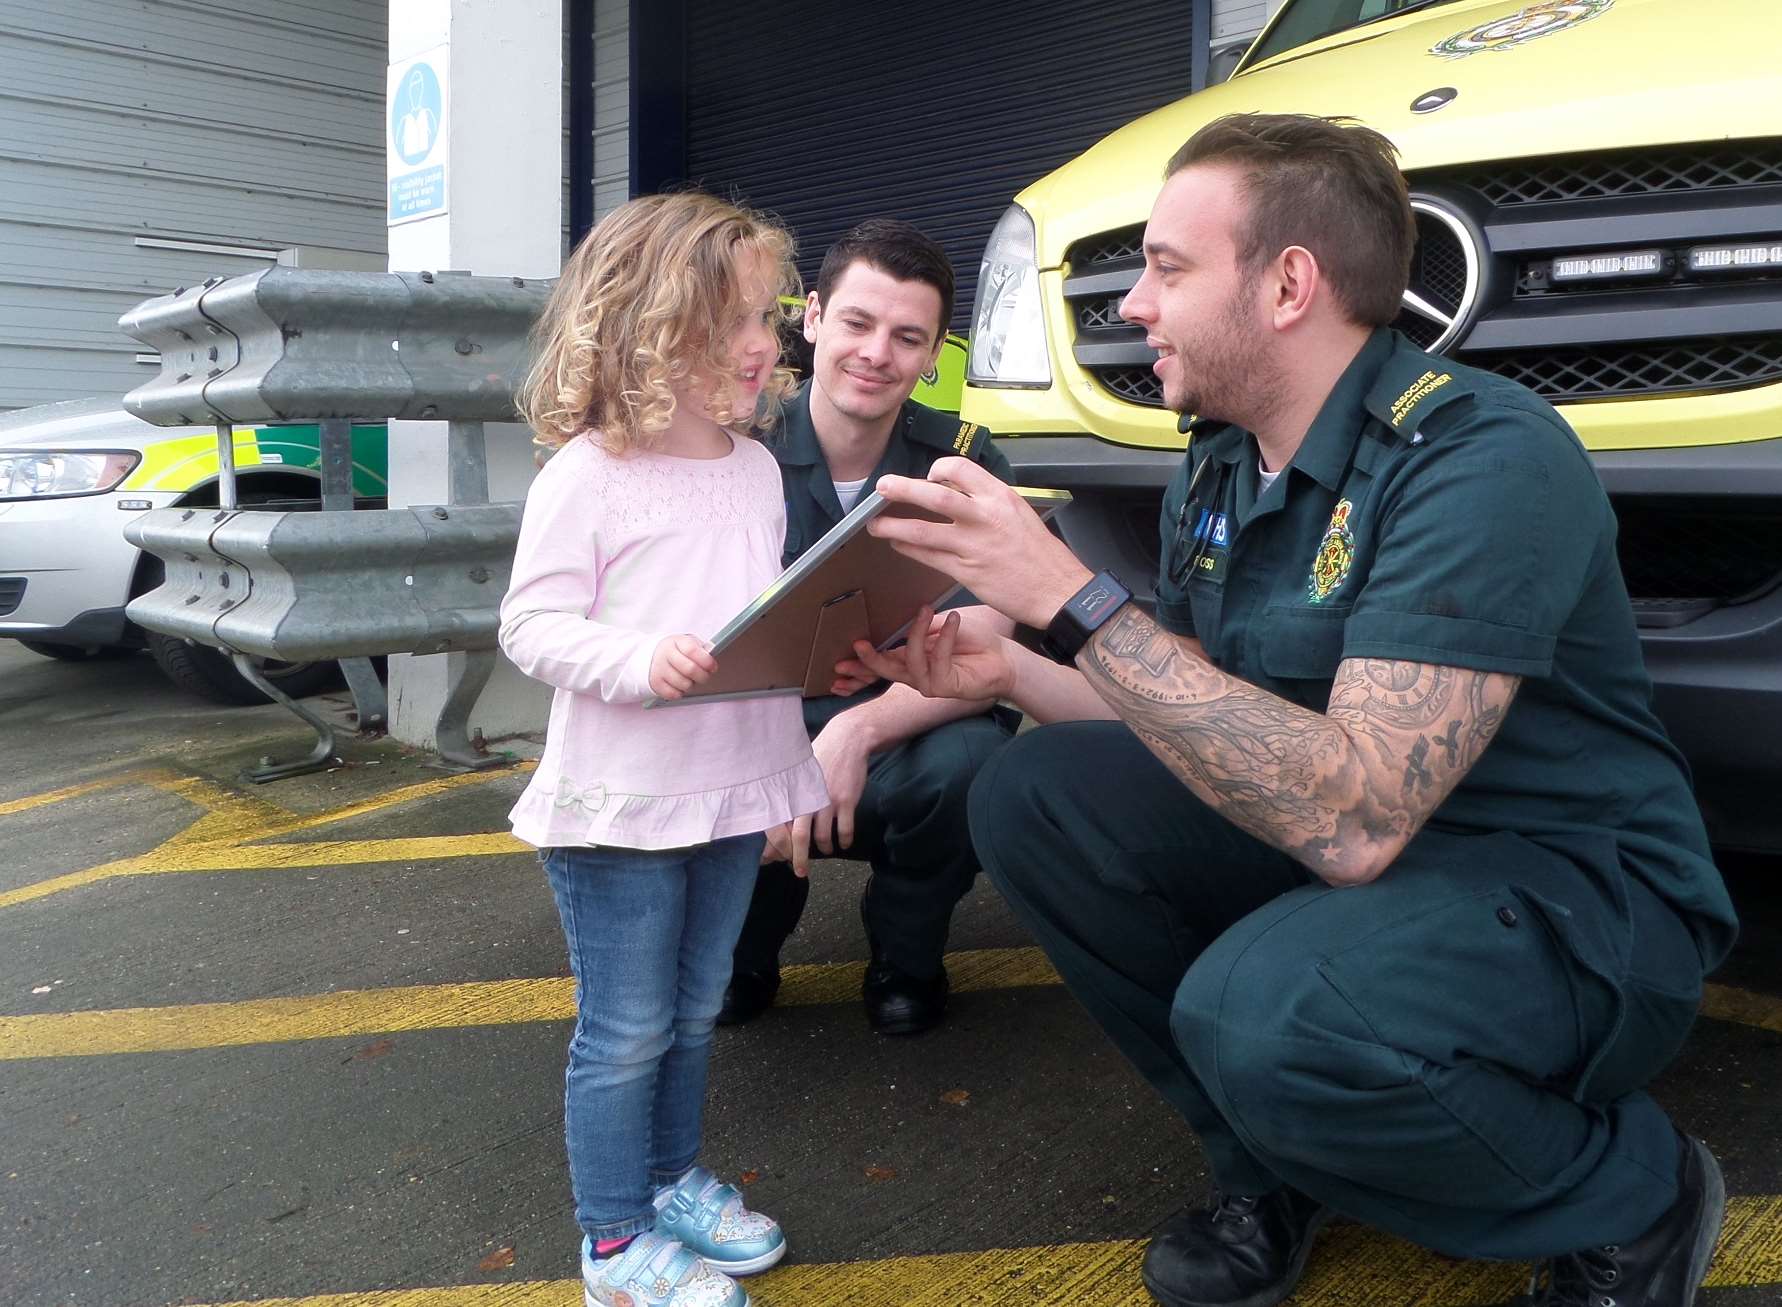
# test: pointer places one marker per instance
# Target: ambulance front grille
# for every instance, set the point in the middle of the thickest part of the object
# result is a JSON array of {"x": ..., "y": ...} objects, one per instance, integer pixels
[
  {"x": 1569, "y": 343},
  {"x": 1722, "y": 550},
  {"x": 1562, "y": 375},
  {"x": 1715, "y": 166}
]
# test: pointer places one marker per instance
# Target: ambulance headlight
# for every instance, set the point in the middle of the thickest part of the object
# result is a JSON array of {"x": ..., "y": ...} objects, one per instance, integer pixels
[
  {"x": 1008, "y": 325},
  {"x": 55, "y": 473}
]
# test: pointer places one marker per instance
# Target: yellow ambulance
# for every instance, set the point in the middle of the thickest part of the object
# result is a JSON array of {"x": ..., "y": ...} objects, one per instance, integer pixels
[{"x": 1598, "y": 191}]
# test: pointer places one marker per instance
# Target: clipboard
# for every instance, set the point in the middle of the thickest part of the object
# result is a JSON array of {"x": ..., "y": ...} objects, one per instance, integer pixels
[{"x": 849, "y": 586}]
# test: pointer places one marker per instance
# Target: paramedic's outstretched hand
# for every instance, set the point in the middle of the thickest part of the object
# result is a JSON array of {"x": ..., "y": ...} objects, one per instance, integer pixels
[
  {"x": 846, "y": 684},
  {"x": 790, "y": 842},
  {"x": 680, "y": 663},
  {"x": 841, "y": 751},
  {"x": 992, "y": 543},
  {"x": 953, "y": 660}
]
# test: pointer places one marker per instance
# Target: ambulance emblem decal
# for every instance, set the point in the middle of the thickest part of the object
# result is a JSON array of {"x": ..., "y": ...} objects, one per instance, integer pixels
[
  {"x": 1521, "y": 27},
  {"x": 1336, "y": 552}
]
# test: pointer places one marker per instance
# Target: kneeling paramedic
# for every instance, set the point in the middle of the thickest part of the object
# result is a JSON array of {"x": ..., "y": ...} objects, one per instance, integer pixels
[{"x": 1367, "y": 849}]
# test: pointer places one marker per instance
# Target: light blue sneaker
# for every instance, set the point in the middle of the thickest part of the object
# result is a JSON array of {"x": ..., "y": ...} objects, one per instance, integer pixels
[
  {"x": 708, "y": 1216},
  {"x": 655, "y": 1271}
]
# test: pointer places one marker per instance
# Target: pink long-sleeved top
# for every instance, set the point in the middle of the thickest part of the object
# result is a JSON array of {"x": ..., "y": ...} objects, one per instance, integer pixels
[{"x": 615, "y": 554}]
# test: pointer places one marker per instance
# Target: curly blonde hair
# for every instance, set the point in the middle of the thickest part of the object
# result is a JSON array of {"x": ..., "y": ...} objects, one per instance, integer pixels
[{"x": 646, "y": 303}]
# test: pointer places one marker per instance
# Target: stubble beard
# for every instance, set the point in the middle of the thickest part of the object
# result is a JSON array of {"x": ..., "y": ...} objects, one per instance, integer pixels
[{"x": 1237, "y": 379}]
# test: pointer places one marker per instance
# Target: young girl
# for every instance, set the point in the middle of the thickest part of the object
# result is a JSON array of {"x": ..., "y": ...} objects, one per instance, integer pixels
[{"x": 653, "y": 523}]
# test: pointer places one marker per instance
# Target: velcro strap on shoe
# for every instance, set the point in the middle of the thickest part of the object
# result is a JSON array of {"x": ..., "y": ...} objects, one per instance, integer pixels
[
  {"x": 634, "y": 1261},
  {"x": 653, "y": 1259},
  {"x": 679, "y": 1265},
  {"x": 701, "y": 1197},
  {"x": 683, "y": 1207}
]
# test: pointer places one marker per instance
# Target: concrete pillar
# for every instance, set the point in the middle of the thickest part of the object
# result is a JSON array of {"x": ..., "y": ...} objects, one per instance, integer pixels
[{"x": 474, "y": 135}]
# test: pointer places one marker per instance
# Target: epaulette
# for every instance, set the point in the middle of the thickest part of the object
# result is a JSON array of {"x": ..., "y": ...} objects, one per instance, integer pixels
[
  {"x": 969, "y": 440},
  {"x": 1405, "y": 407},
  {"x": 945, "y": 431}
]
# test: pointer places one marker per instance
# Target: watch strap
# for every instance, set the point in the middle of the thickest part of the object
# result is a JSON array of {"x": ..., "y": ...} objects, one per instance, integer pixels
[{"x": 1083, "y": 614}]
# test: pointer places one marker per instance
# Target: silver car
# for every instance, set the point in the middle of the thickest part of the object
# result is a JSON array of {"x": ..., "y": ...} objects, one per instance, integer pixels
[{"x": 72, "y": 474}]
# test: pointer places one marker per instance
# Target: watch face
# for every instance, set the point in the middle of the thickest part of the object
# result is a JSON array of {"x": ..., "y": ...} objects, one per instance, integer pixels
[
  {"x": 1096, "y": 600},
  {"x": 1083, "y": 614}
]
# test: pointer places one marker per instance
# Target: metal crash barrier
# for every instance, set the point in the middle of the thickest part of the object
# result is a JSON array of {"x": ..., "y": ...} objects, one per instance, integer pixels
[{"x": 293, "y": 345}]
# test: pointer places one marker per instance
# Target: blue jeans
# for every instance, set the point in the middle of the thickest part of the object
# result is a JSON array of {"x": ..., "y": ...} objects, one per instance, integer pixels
[{"x": 650, "y": 934}]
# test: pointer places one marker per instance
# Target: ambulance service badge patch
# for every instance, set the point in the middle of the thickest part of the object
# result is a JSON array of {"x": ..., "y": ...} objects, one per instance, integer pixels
[
  {"x": 1525, "y": 25},
  {"x": 1336, "y": 552}
]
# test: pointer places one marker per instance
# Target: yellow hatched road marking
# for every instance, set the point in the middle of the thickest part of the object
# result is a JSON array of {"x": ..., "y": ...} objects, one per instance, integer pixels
[
  {"x": 1724, "y": 1003},
  {"x": 278, "y": 1020},
  {"x": 221, "y": 839},
  {"x": 1352, "y": 1267},
  {"x": 1355, "y": 1267},
  {"x": 69, "y": 792},
  {"x": 349, "y": 1013},
  {"x": 406, "y": 794},
  {"x": 420, "y": 1007},
  {"x": 317, "y": 853}
]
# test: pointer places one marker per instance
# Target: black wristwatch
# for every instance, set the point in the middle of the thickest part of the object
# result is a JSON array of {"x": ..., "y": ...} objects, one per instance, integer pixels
[{"x": 1083, "y": 614}]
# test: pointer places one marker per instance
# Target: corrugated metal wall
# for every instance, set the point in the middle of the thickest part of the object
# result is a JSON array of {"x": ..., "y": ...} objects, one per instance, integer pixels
[
  {"x": 251, "y": 123},
  {"x": 612, "y": 104},
  {"x": 870, "y": 112},
  {"x": 1231, "y": 20}
]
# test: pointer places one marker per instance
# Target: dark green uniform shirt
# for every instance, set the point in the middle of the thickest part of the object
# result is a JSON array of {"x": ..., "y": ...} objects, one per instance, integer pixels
[
  {"x": 919, "y": 437},
  {"x": 1439, "y": 514}
]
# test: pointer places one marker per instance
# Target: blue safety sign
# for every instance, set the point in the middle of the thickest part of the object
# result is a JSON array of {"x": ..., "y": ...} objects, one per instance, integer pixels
[{"x": 416, "y": 149}]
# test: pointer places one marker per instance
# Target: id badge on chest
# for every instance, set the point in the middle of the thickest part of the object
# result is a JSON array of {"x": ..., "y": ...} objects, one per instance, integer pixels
[
  {"x": 1213, "y": 548},
  {"x": 1209, "y": 549},
  {"x": 1202, "y": 545}
]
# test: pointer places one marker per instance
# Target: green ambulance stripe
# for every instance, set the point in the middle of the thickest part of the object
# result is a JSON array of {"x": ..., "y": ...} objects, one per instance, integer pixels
[{"x": 182, "y": 462}]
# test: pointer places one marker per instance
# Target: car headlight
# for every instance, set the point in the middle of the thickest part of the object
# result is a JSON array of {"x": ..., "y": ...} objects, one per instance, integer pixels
[
  {"x": 53, "y": 473},
  {"x": 1008, "y": 325}
]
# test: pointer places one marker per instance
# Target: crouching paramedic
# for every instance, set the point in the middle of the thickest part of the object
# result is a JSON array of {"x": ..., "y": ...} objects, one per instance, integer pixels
[{"x": 1379, "y": 866}]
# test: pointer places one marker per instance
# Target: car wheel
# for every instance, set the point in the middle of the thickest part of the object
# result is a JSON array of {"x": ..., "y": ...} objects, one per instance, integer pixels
[
  {"x": 75, "y": 653},
  {"x": 209, "y": 673}
]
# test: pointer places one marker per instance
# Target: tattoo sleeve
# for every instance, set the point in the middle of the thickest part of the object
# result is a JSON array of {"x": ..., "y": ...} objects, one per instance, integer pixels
[{"x": 1342, "y": 791}]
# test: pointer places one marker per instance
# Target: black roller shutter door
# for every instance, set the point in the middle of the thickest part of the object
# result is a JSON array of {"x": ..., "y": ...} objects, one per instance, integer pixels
[{"x": 827, "y": 113}]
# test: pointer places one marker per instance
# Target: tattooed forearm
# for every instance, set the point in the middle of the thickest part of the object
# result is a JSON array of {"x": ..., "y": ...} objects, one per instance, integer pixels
[
  {"x": 1407, "y": 695},
  {"x": 1342, "y": 791},
  {"x": 1145, "y": 643},
  {"x": 1416, "y": 774},
  {"x": 1388, "y": 706}
]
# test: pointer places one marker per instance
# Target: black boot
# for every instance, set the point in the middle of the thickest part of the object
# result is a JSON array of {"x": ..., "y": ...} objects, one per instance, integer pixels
[
  {"x": 748, "y": 995},
  {"x": 1236, "y": 1252},
  {"x": 1662, "y": 1268},
  {"x": 898, "y": 1003},
  {"x": 774, "y": 908}
]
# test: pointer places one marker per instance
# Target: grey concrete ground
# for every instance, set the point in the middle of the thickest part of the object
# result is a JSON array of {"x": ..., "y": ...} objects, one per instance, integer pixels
[{"x": 339, "y": 1165}]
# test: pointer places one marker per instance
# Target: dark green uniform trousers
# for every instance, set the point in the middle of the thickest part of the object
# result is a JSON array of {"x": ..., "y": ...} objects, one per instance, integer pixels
[
  {"x": 911, "y": 827},
  {"x": 1454, "y": 1052}
]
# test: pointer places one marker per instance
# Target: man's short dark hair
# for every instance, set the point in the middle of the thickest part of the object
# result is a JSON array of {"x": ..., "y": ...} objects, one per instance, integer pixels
[
  {"x": 896, "y": 249},
  {"x": 1328, "y": 184}
]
